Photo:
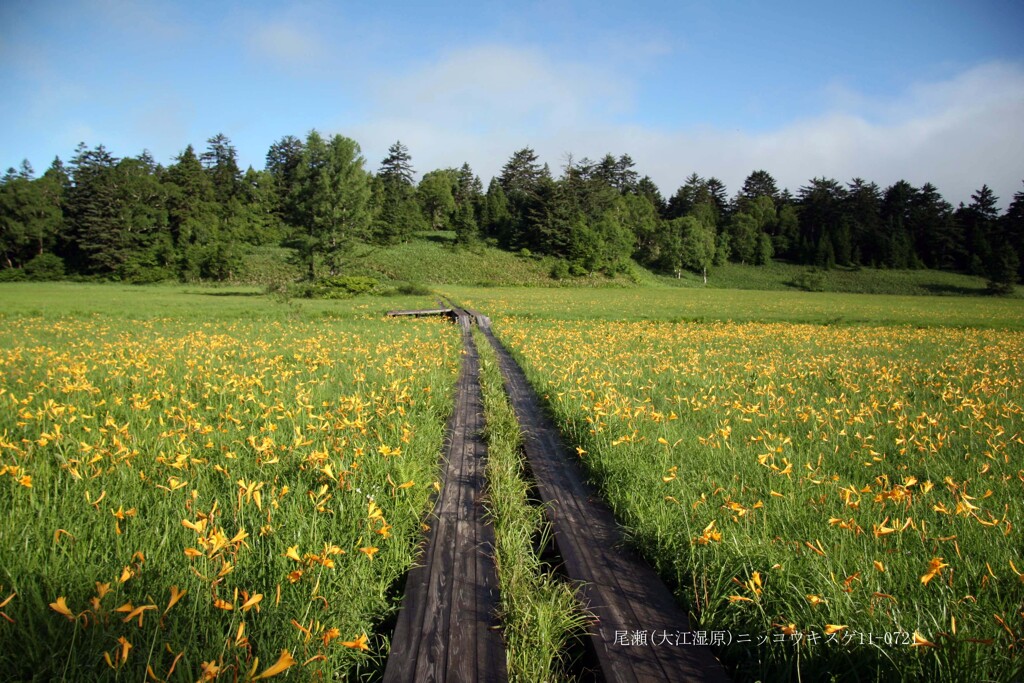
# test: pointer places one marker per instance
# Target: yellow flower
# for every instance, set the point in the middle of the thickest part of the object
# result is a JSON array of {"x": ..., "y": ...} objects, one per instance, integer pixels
[
  {"x": 935, "y": 566},
  {"x": 359, "y": 643},
  {"x": 252, "y": 602},
  {"x": 283, "y": 662},
  {"x": 223, "y": 604},
  {"x": 921, "y": 641},
  {"x": 61, "y": 607},
  {"x": 176, "y": 595}
]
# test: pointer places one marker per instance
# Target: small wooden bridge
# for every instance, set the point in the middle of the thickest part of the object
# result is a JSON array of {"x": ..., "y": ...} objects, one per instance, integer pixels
[
  {"x": 447, "y": 312},
  {"x": 447, "y": 628}
]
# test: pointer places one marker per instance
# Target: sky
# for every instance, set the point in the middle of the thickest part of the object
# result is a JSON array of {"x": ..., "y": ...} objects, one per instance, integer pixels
[{"x": 922, "y": 91}]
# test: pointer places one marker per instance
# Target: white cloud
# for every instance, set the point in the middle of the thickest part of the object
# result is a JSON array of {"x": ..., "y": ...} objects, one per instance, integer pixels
[
  {"x": 503, "y": 88},
  {"x": 481, "y": 104}
]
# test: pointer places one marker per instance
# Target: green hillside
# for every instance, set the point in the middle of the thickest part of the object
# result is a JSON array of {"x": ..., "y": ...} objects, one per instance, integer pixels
[{"x": 436, "y": 259}]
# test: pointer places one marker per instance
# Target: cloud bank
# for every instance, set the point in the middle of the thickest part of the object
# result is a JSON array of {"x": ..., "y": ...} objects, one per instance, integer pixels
[{"x": 480, "y": 104}]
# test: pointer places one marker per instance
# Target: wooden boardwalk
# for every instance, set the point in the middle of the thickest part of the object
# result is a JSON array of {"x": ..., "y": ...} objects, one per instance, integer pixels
[
  {"x": 447, "y": 629},
  {"x": 448, "y": 312},
  {"x": 618, "y": 587}
]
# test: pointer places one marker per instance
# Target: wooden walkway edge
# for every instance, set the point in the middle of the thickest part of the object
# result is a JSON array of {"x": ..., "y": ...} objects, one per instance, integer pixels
[
  {"x": 617, "y": 586},
  {"x": 447, "y": 629}
]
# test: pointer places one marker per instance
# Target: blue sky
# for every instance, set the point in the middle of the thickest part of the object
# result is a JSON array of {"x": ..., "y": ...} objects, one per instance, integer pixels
[{"x": 926, "y": 91}]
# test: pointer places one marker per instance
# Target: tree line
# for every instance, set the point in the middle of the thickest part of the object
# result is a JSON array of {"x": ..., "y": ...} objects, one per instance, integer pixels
[{"x": 136, "y": 220}]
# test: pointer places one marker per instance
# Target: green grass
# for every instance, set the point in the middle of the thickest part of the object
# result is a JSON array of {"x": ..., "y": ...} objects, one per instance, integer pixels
[
  {"x": 191, "y": 302},
  {"x": 433, "y": 257},
  {"x": 764, "y": 468},
  {"x": 778, "y": 276},
  {"x": 441, "y": 261},
  {"x": 164, "y": 363},
  {"x": 679, "y": 304},
  {"x": 267, "y": 264},
  {"x": 540, "y": 614},
  {"x": 165, "y": 439}
]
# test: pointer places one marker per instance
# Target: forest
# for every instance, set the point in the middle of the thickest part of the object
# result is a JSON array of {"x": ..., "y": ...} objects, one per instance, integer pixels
[{"x": 135, "y": 220}]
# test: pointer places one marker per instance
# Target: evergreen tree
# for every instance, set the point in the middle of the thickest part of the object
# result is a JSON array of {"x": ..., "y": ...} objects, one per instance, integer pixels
[
  {"x": 194, "y": 218},
  {"x": 190, "y": 200},
  {"x": 606, "y": 171},
  {"x": 520, "y": 175},
  {"x": 554, "y": 226},
  {"x": 787, "y": 235},
  {"x": 468, "y": 188},
  {"x": 283, "y": 160},
  {"x": 647, "y": 188},
  {"x": 397, "y": 213},
  {"x": 625, "y": 176},
  {"x": 397, "y": 166},
  {"x": 221, "y": 162},
  {"x": 1002, "y": 268},
  {"x": 757, "y": 184},
  {"x": 719, "y": 199},
  {"x": 258, "y": 221},
  {"x": 142, "y": 220},
  {"x": 821, "y": 213},
  {"x": 1013, "y": 227},
  {"x": 978, "y": 223},
  {"x": 693, "y": 192},
  {"x": 520, "y": 180},
  {"x": 495, "y": 217},
  {"x": 933, "y": 229},
  {"x": 464, "y": 224},
  {"x": 897, "y": 245},
  {"x": 333, "y": 206},
  {"x": 862, "y": 211},
  {"x": 91, "y": 207}
]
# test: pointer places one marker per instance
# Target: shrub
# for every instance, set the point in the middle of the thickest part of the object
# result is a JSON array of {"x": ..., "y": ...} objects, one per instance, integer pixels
[
  {"x": 352, "y": 284},
  {"x": 577, "y": 269},
  {"x": 811, "y": 280},
  {"x": 12, "y": 274},
  {"x": 45, "y": 267},
  {"x": 414, "y": 289},
  {"x": 338, "y": 287},
  {"x": 560, "y": 271}
]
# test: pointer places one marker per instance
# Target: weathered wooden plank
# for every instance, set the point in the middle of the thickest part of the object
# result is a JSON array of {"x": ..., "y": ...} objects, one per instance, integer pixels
[
  {"x": 433, "y": 634},
  {"x": 444, "y": 631},
  {"x": 428, "y": 311},
  {"x": 623, "y": 592}
]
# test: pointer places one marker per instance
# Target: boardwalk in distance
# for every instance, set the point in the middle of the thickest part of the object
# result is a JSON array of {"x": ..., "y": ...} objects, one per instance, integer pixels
[{"x": 447, "y": 629}]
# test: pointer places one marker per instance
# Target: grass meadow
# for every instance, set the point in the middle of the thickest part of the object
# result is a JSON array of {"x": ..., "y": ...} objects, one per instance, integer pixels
[
  {"x": 844, "y": 499},
  {"x": 203, "y": 484},
  {"x": 672, "y": 304},
  {"x": 213, "y": 484}
]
